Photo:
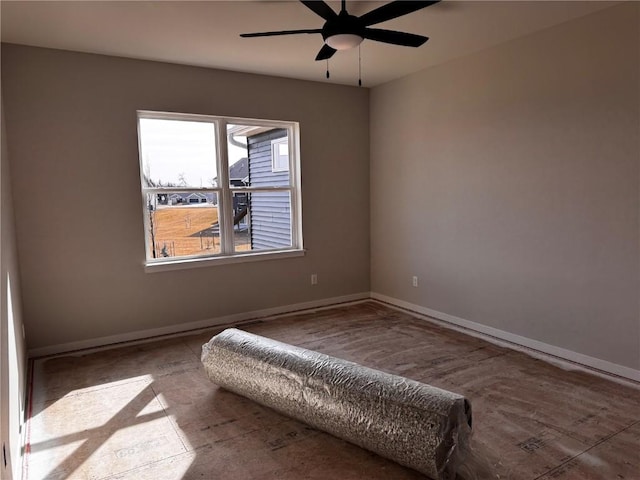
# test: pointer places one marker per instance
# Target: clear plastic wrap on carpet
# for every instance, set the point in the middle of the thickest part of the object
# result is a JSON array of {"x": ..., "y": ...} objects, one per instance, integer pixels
[{"x": 414, "y": 424}]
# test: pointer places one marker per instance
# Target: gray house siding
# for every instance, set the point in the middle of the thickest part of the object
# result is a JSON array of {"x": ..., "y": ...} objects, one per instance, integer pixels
[{"x": 270, "y": 211}]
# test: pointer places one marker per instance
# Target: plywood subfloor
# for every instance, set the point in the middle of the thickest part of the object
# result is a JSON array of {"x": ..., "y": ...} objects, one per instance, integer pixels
[{"x": 149, "y": 412}]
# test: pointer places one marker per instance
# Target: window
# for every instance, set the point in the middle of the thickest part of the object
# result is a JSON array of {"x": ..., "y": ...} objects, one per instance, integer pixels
[
  {"x": 218, "y": 189},
  {"x": 280, "y": 155}
]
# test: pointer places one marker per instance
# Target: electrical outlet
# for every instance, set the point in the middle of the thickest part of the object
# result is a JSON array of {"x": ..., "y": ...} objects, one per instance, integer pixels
[
  {"x": 415, "y": 281},
  {"x": 314, "y": 279}
]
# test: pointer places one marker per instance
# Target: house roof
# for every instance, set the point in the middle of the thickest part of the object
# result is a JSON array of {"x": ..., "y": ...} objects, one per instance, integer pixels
[{"x": 240, "y": 169}]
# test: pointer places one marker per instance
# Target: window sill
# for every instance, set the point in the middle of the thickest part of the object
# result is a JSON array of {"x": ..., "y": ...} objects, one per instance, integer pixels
[{"x": 167, "y": 265}]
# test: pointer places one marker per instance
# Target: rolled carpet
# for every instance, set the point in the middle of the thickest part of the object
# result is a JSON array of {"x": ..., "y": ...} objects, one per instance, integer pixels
[{"x": 414, "y": 424}]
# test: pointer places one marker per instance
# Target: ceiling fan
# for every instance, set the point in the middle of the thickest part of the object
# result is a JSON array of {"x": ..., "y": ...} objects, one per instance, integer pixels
[{"x": 342, "y": 31}]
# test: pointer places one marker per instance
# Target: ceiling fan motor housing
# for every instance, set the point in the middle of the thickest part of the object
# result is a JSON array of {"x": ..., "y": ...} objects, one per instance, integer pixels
[{"x": 343, "y": 32}]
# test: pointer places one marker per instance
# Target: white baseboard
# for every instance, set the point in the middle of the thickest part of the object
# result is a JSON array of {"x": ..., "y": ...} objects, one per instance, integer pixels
[
  {"x": 142, "y": 336},
  {"x": 567, "y": 358}
]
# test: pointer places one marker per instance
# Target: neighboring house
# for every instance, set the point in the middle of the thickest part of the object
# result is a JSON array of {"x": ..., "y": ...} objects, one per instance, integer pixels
[
  {"x": 238, "y": 176},
  {"x": 239, "y": 171},
  {"x": 187, "y": 198},
  {"x": 270, "y": 212}
]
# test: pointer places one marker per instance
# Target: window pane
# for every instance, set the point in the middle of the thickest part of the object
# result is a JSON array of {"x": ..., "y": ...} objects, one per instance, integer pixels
[
  {"x": 178, "y": 153},
  {"x": 262, "y": 220},
  {"x": 280, "y": 155},
  {"x": 258, "y": 156},
  {"x": 183, "y": 224},
  {"x": 182, "y": 187}
]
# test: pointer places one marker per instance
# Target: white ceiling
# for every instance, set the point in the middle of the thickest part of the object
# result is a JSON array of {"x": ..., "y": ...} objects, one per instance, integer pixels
[{"x": 206, "y": 33}]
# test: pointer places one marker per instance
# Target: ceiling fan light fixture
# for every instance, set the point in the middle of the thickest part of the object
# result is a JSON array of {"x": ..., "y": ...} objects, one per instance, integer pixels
[{"x": 344, "y": 41}]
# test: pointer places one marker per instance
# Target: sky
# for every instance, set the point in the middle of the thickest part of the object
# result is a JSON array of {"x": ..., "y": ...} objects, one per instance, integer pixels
[{"x": 175, "y": 149}]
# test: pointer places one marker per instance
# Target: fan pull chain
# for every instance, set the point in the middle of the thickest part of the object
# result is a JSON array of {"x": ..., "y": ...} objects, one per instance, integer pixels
[
  {"x": 359, "y": 67},
  {"x": 327, "y": 68}
]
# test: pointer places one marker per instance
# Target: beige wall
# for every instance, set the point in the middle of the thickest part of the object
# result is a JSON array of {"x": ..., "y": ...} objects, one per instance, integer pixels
[
  {"x": 71, "y": 119},
  {"x": 13, "y": 372},
  {"x": 508, "y": 182}
]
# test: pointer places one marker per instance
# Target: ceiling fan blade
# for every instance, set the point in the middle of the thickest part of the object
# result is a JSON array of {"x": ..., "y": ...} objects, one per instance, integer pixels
[
  {"x": 395, "y": 38},
  {"x": 325, "y": 52},
  {"x": 393, "y": 10},
  {"x": 320, "y": 8},
  {"x": 282, "y": 32}
]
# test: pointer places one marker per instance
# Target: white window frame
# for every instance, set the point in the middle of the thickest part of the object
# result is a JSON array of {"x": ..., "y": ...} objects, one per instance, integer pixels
[
  {"x": 276, "y": 167},
  {"x": 224, "y": 192}
]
